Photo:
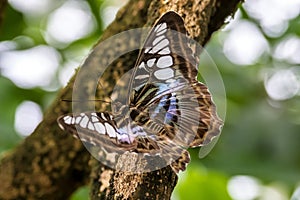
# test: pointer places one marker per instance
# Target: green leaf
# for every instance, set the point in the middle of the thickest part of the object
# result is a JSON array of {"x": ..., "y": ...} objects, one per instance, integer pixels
[
  {"x": 81, "y": 193},
  {"x": 199, "y": 183}
]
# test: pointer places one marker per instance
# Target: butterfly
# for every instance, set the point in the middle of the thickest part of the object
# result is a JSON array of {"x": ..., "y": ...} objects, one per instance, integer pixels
[{"x": 165, "y": 111}]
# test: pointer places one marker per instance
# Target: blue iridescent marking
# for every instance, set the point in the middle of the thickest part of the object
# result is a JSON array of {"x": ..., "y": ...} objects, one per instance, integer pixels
[
  {"x": 168, "y": 106},
  {"x": 171, "y": 112}
]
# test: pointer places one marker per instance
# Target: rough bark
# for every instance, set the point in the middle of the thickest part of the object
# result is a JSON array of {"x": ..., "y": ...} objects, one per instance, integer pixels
[{"x": 50, "y": 164}]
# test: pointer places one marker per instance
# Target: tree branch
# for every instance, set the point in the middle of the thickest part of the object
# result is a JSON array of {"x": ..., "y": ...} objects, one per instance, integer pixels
[{"x": 50, "y": 164}]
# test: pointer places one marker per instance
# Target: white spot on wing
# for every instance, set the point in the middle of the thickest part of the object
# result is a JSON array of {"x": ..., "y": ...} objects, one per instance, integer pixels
[
  {"x": 78, "y": 120},
  {"x": 142, "y": 76},
  {"x": 157, "y": 40},
  {"x": 67, "y": 119},
  {"x": 160, "y": 45},
  {"x": 94, "y": 119},
  {"x": 103, "y": 116},
  {"x": 99, "y": 128},
  {"x": 161, "y": 32},
  {"x": 157, "y": 27},
  {"x": 110, "y": 130},
  {"x": 165, "y": 61},
  {"x": 164, "y": 51},
  {"x": 147, "y": 49},
  {"x": 164, "y": 74},
  {"x": 161, "y": 27},
  {"x": 90, "y": 126},
  {"x": 150, "y": 62},
  {"x": 84, "y": 121},
  {"x": 142, "y": 65},
  {"x": 151, "y": 51}
]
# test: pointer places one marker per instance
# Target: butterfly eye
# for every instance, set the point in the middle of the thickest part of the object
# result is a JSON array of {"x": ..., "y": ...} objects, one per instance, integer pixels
[{"x": 133, "y": 114}]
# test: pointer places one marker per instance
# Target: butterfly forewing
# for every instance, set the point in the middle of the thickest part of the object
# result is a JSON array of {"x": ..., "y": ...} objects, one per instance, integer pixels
[
  {"x": 165, "y": 58},
  {"x": 166, "y": 63}
]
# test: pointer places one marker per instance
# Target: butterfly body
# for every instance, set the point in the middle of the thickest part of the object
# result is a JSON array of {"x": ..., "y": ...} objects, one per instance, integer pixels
[{"x": 166, "y": 109}]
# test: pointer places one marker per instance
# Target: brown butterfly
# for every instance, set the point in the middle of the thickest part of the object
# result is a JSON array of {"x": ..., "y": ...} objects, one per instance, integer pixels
[{"x": 167, "y": 109}]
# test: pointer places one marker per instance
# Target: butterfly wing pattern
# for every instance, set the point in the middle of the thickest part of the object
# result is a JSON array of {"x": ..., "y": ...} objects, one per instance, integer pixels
[{"x": 167, "y": 110}]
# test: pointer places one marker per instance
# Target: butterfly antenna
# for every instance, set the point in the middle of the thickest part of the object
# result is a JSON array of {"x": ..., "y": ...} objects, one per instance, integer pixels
[{"x": 87, "y": 100}]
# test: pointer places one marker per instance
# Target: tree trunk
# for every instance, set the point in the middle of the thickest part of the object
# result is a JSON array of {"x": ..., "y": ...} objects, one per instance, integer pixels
[{"x": 50, "y": 164}]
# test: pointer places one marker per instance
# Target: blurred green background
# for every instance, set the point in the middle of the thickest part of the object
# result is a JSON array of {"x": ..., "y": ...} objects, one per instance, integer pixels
[{"x": 257, "y": 55}]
